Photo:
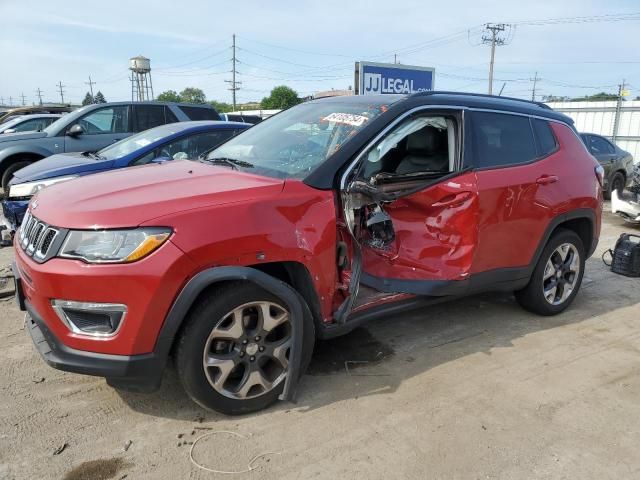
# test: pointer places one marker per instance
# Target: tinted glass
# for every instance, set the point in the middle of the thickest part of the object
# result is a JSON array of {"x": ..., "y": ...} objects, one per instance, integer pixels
[
  {"x": 29, "y": 125},
  {"x": 502, "y": 139},
  {"x": 200, "y": 113},
  {"x": 138, "y": 141},
  {"x": 599, "y": 146},
  {"x": 190, "y": 147},
  {"x": 149, "y": 116},
  {"x": 106, "y": 120},
  {"x": 544, "y": 135},
  {"x": 170, "y": 117}
]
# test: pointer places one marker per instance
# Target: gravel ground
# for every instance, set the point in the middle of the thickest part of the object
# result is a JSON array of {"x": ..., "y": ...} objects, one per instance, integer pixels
[{"x": 476, "y": 388}]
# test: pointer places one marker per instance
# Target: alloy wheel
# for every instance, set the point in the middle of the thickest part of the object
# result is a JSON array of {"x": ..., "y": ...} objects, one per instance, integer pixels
[
  {"x": 247, "y": 353},
  {"x": 561, "y": 274}
]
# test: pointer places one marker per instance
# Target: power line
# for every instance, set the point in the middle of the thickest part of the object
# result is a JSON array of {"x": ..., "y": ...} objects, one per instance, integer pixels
[
  {"x": 23, "y": 102},
  {"x": 39, "y": 93}
]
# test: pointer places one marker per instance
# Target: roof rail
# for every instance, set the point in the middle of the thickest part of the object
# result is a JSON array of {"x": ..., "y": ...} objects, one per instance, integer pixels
[{"x": 481, "y": 95}]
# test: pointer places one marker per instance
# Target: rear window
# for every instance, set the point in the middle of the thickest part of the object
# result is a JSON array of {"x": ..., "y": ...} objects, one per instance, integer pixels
[
  {"x": 502, "y": 139},
  {"x": 149, "y": 116},
  {"x": 200, "y": 113},
  {"x": 544, "y": 135}
]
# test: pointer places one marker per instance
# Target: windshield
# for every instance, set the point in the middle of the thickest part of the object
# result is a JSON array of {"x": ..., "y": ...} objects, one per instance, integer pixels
[
  {"x": 138, "y": 141},
  {"x": 294, "y": 142}
]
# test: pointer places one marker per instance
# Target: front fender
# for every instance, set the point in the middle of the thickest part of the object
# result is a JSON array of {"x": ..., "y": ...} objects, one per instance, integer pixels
[{"x": 211, "y": 276}]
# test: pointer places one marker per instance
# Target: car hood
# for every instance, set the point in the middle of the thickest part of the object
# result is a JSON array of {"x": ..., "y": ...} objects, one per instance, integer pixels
[
  {"x": 132, "y": 196},
  {"x": 58, "y": 166},
  {"x": 14, "y": 137}
]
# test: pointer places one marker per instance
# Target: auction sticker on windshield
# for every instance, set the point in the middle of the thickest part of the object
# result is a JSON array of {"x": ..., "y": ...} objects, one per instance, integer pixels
[{"x": 346, "y": 118}]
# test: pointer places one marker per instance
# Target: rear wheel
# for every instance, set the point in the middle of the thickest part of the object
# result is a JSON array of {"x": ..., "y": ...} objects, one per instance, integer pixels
[
  {"x": 617, "y": 184},
  {"x": 233, "y": 355},
  {"x": 10, "y": 170},
  {"x": 557, "y": 276}
]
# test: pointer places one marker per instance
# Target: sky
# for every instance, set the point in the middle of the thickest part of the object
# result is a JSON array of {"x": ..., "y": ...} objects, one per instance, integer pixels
[{"x": 312, "y": 46}]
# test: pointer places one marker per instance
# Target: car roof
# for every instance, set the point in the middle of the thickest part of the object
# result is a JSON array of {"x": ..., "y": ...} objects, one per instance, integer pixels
[
  {"x": 458, "y": 99},
  {"x": 39, "y": 115},
  {"x": 152, "y": 102}
]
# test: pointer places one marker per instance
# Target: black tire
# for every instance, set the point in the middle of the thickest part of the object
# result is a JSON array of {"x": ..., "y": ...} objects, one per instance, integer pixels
[
  {"x": 617, "y": 183},
  {"x": 10, "y": 170},
  {"x": 532, "y": 296},
  {"x": 206, "y": 315}
]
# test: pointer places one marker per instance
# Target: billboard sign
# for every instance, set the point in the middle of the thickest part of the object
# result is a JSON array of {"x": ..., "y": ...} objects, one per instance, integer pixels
[{"x": 390, "y": 78}]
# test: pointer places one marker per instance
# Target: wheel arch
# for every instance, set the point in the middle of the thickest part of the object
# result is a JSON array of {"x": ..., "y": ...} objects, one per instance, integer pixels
[
  {"x": 12, "y": 156},
  {"x": 208, "y": 280},
  {"x": 581, "y": 221}
]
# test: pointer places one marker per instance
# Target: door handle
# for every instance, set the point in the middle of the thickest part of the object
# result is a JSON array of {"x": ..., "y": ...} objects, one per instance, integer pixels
[
  {"x": 453, "y": 200},
  {"x": 547, "y": 179}
]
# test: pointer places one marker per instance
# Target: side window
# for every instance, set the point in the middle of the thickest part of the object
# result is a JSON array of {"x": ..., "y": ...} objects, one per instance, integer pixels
[
  {"x": 599, "y": 146},
  {"x": 502, "y": 140},
  {"x": 419, "y": 145},
  {"x": 200, "y": 113},
  {"x": 148, "y": 116},
  {"x": 29, "y": 125},
  {"x": 106, "y": 120},
  {"x": 544, "y": 136},
  {"x": 189, "y": 147},
  {"x": 169, "y": 116}
]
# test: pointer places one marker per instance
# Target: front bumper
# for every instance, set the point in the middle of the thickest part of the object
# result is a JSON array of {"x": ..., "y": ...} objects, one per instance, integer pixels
[
  {"x": 130, "y": 372},
  {"x": 626, "y": 208},
  {"x": 14, "y": 211}
]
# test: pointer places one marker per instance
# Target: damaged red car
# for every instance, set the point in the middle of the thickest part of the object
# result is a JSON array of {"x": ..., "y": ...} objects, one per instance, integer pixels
[{"x": 305, "y": 226}]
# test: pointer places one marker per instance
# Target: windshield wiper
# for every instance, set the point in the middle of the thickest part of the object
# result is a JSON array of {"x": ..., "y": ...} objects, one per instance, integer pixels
[
  {"x": 232, "y": 162},
  {"x": 93, "y": 155}
]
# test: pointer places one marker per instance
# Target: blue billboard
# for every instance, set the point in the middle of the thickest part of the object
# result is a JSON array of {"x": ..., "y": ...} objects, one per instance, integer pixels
[{"x": 389, "y": 78}]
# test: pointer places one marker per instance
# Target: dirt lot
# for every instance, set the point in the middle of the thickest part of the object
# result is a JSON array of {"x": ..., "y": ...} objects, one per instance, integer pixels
[{"x": 472, "y": 389}]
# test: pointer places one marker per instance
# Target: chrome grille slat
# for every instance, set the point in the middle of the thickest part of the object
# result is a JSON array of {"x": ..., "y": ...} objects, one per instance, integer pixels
[{"x": 36, "y": 237}]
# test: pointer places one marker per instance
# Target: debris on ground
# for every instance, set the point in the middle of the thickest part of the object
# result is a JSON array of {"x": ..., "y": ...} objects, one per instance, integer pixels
[
  {"x": 61, "y": 448},
  {"x": 127, "y": 445},
  {"x": 7, "y": 287}
]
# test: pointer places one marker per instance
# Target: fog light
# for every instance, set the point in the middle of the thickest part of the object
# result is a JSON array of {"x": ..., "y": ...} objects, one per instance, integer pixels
[{"x": 88, "y": 318}]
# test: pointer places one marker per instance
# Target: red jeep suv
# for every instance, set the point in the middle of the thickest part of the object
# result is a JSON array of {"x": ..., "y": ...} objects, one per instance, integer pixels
[{"x": 304, "y": 226}]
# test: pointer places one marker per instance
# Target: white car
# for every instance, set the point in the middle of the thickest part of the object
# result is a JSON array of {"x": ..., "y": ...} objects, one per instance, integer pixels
[{"x": 628, "y": 205}]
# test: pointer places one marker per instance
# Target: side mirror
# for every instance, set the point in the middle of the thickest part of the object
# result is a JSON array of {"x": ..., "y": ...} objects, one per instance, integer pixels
[
  {"x": 10, "y": 130},
  {"x": 75, "y": 130}
]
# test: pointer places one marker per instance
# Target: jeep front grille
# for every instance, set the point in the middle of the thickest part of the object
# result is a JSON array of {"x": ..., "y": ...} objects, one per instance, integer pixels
[{"x": 36, "y": 237}]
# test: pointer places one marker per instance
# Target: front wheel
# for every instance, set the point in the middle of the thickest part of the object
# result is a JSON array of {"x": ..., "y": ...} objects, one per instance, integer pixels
[
  {"x": 557, "y": 276},
  {"x": 233, "y": 355},
  {"x": 8, "y": 174}
]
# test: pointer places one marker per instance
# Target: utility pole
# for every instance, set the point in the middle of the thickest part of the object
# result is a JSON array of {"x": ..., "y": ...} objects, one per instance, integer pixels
[
  {"x": 60, "y": 85},
  {"x": 91, "y": 84},
  {"x": 10, "y": 101},
  {"x": 22, "y": 95},
  {"x": 533, "y": 90},
  {"x": 395, "y": 58},
  {"x": 234, "y": 83},
  {"x": 616, "y": 119},
  {"x": 493, "y": 38},
  {"x": 39, "y": 93},
  {"x": 1, "y": 100}
]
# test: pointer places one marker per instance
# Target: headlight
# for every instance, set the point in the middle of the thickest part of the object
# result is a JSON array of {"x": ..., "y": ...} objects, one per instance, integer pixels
[
  {"x": 31, "y": 188},
  {"x": 113, "y": 246}
]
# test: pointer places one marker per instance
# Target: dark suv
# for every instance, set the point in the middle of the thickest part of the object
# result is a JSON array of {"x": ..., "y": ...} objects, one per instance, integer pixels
[
  {"x": 91, "y": 128},
  {"x": 617, "y": 163},
  {"x": 304, "y": 226}
]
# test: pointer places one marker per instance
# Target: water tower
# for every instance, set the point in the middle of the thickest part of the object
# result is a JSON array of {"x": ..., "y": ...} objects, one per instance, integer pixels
[{"x": 141, "y": 86}]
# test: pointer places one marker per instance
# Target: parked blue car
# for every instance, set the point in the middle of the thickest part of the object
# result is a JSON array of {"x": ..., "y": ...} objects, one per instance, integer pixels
[{"x": 184, "y": 140}]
